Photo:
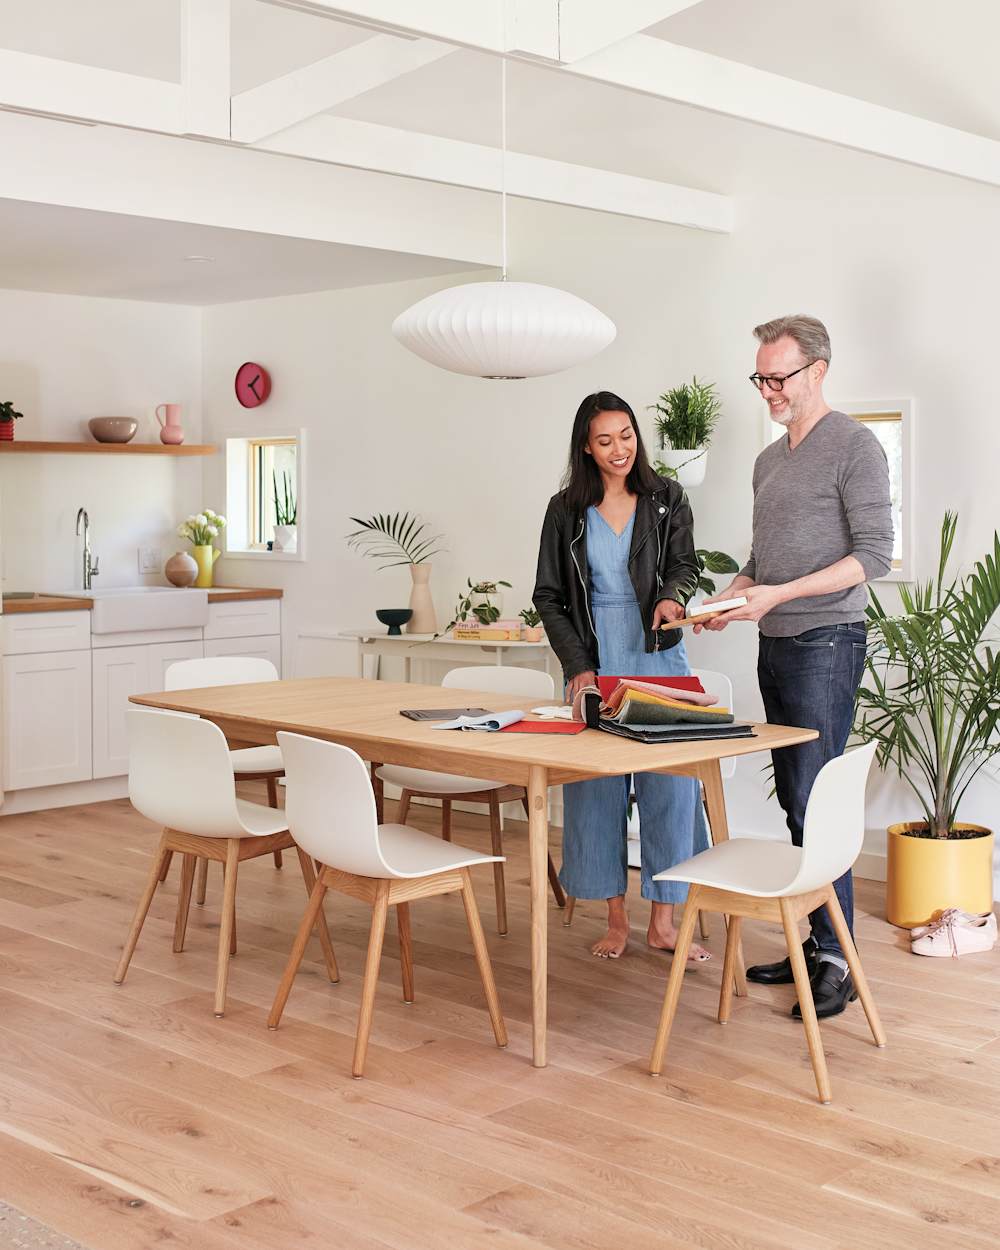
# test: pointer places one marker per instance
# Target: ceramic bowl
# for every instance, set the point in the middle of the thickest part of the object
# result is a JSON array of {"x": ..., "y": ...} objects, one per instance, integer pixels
[
  {"x": 394, "y": 617},
  {"x": 113, "y": 429}
]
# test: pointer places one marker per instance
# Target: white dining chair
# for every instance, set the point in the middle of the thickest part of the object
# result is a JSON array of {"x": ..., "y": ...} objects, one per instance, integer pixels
[
  {"x": 533, "y": 686},
  {"x": 180, "y": 776},
  {"x": 261, "y": 763},
  {"x": 722, "y": 687},
  {"x": 330, "y": 805},
  {"x": 776, "y": 881}
]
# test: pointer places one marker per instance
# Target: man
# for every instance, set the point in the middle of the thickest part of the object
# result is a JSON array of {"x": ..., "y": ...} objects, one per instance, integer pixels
[{"x": 822, "y": 528}]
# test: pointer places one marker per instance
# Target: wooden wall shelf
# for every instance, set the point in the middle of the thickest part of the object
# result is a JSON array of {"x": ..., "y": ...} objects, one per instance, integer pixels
[{"x": 115, "y": 449}]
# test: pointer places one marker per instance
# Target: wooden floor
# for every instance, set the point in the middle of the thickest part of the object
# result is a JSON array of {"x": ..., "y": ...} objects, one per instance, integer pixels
[{"x": 131, "y": 1118}]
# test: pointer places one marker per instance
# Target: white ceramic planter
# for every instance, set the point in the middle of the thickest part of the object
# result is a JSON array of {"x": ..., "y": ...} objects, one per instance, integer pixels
[
  {"x": 689, "y": 465},
  {"x": 424, "y": 618},
  {"x": 285, "y": 538}
]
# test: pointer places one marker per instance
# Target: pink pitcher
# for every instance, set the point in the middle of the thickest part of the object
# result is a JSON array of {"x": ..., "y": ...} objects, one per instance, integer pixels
[{"x": 170, "y": 425}]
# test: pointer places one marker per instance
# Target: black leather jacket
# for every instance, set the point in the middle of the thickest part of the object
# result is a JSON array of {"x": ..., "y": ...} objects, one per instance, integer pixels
[{"x": 662, "y": 565}]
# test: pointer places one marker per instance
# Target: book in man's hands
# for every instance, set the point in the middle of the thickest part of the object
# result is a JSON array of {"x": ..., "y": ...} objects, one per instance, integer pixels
[{"x": 702, "y": 612}]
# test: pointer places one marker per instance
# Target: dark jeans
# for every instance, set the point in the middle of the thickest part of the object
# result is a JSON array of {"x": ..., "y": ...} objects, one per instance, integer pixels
[{"x": 811, "y": 680}]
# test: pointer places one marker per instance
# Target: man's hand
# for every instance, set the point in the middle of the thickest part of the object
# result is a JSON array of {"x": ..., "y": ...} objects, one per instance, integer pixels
[
  {"x": 577, "y": 683},
  {"x": 666, "y": 610},
  {"x": 759, "y": 601}
]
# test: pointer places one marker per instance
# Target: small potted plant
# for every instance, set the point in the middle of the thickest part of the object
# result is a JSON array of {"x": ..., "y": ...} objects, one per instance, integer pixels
[
  {"x": 401, "y": 539},
  {"x": 931, "y": 700},
  {"x": 532, "y": 624},
  {"x": 8, "y": 415},
  {"x": 686, "y": 418},
  {"x": 200, "y": 529},
  {"x": 476, "y": 601},
  {"x": 285, "y": 513}
]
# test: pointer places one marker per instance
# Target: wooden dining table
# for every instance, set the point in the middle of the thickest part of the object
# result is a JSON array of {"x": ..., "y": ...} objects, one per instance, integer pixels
[{"x": 365, "y": 716}]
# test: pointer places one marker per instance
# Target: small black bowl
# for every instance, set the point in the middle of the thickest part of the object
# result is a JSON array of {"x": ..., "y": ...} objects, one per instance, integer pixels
[{"x": 394, "y": 617}]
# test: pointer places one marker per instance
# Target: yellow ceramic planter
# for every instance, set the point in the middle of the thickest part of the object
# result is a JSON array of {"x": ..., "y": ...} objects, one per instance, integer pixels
[
  {"x": 205, "y": 558},
  {"x": 925, "y": 875}
]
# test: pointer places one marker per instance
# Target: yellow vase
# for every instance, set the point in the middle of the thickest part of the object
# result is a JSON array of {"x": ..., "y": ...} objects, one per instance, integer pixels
[{"x": 205, "y": 558}]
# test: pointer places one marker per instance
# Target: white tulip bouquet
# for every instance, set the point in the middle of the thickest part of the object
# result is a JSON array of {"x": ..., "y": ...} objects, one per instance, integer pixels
[{"x": 202, "y": 527}]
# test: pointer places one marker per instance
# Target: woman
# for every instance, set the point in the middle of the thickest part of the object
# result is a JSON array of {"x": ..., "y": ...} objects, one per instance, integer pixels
[{"x": 617, "y": 561}]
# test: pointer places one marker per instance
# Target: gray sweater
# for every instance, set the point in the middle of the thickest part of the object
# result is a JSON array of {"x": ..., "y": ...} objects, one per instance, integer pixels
[{"x": 827, "y": 499}]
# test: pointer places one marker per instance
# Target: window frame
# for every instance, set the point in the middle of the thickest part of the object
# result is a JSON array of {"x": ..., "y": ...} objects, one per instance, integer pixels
[{"x": 242, "y": 495}]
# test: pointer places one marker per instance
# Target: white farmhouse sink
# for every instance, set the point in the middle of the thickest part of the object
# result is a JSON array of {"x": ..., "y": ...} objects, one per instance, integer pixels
[{"x": 125, "y": 609}]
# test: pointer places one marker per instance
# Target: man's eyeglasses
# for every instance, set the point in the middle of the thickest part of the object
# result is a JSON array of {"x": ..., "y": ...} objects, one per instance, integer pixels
[{"x": 776, "y": 384}]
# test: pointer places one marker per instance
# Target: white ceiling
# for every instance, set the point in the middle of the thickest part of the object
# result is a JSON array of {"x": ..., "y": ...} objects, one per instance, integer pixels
[
  {"x": 78, "y": 252},
  {"x": 921, "y": 56}
]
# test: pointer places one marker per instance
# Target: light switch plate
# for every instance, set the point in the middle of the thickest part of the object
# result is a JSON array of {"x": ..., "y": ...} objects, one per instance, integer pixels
[{"x": 150, "y": 560}]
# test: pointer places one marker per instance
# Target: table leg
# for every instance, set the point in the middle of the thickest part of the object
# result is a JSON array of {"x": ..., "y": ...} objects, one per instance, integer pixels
[
  {"x": 538, "y": 852},
  {"x": 361, "y": 659},
  {"x": 715, "y": 805}
]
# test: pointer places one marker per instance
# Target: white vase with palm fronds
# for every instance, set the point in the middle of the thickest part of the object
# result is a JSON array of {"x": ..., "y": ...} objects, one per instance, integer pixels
[{"x": 400, "y": 539}]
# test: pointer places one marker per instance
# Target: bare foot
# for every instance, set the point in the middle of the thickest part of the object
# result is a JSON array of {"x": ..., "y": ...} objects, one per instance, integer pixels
[
  {"x": 662, "y": 935},
  {"x": 613, "y": 944}
]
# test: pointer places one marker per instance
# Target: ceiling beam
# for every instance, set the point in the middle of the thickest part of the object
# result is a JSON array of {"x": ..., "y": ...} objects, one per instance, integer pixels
[
  {"x": 586, "y": 27},
  {"x": 686, "y": 76},
  {"x": 205, "y": 67},
  {"x": 363, "y": 145},
  {"x": 303, "y": 93},
  {"x": 41, "y": 84}
]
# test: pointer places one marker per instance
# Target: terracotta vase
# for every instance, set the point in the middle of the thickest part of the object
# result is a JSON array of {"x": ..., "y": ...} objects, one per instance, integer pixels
[
  {"x": 424, "y": 618},
  {"x": 181, "y": 569}
]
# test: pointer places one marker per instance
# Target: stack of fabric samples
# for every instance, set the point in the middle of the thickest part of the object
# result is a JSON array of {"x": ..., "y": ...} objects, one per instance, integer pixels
[{"x": 637, "y": 702}]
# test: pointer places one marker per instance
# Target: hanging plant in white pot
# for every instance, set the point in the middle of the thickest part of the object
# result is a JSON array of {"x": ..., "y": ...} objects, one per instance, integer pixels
[{"x": 686, "y": 418}]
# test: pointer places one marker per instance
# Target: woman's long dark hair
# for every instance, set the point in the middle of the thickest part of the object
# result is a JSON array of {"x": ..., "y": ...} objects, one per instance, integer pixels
[{"x": 582, "y": 482}]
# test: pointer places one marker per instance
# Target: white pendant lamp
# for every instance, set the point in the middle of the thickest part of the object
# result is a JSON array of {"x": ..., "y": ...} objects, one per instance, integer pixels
[{"x": 504, "y": 329}]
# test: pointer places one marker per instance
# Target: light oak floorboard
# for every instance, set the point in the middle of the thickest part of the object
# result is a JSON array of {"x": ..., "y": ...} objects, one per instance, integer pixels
[{"x": 130, "y": 1117}]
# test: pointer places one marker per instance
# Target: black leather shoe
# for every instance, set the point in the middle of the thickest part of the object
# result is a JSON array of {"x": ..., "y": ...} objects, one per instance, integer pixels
[
  {"x": 832, "y": 990},
  {"x": 781, "y": 972}
]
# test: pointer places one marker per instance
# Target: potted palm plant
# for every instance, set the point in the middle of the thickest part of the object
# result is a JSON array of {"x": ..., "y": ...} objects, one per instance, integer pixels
[
  {"x": 397, "y": 540},
  {"x": 686, "y": 418},
  {"x": 285, "y": 513},
  {"x": 931, "y": 700}
]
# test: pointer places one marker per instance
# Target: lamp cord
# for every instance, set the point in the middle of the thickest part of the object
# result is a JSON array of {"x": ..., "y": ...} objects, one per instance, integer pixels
[{"x": 503, "y": 165}]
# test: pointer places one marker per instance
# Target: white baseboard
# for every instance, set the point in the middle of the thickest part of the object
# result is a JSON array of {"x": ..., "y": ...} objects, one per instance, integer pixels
[{"x": 76, "y": 792}]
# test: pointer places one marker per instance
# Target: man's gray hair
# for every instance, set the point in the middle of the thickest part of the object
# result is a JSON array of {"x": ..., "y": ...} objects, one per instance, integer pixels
[{"x": 809, "y": 333}]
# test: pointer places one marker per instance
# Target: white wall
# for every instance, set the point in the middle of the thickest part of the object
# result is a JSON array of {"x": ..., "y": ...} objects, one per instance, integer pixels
[
  {"x": 64, "y": 359},
  {"x": 901, "y": 264}
]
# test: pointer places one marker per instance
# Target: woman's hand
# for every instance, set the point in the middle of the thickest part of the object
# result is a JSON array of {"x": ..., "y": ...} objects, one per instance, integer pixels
[
  {"x": 666, "y": 610},
  {"x": 577, "y": 683}
]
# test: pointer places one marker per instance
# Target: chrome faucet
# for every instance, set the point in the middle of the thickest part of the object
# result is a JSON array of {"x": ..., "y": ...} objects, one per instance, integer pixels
[{"x": 90, "y": 569}]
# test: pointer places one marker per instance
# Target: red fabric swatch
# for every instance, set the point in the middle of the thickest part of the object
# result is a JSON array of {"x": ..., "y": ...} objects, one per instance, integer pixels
[
  {"x": 607, "y": 684},
  {"x": 544, "y": 727}
]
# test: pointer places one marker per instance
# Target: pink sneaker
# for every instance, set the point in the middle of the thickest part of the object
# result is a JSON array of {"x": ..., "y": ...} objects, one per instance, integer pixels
[
  {"x": 948, "y": 936},
  {"x": 949, "y": 914}
]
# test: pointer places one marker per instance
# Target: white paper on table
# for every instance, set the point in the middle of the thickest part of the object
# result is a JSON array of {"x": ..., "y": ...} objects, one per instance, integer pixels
[{"x": 490, "y": 723}]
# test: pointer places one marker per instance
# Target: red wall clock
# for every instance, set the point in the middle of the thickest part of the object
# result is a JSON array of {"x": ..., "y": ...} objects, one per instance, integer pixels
[{"x": 253, "y": 384}]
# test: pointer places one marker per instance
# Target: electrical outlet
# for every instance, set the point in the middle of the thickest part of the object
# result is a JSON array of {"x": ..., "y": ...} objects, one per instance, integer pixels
[{"x": 150, "y": 560}]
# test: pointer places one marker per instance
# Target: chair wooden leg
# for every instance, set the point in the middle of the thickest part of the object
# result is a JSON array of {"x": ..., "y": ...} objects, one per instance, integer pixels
[
  {"x": 380, "y": 909},
  {"x": 499, "y": 885},
  {"x": 404, "y": 807},
  {"x": 729, "y": 966},
  {"x": 152, "y": 881},
  {"x": 804, "y": 991},
  {"x": 306, "y": 925},
  {"x": 272, "y": 801},
  {"x": 446, "y": 819},
  {"x": 405, "y": 949},
  {"x": 673, "y": 992},
  {"x": 839, "y": 922},
  {"x": 201, "y": 884},
  {"x": 483, "y": 959},
  {"x": 322, "y": 932},
  {"x": 378, "y": 788},
  {"x": 165, "y": 867},
  {"x": 232, "y": 936},
  {"x": 183, "y": 902},
  {"x": 570, "y": 909},
  {"x": 227, "y": 927},
  {"x": 702, "y": 926}
]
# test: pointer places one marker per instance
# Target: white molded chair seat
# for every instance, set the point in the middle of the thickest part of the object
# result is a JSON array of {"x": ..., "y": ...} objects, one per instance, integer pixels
[
  {"x": 775, "y": 881},
  {"x": 419, "y": 779},
  {"x": 257, "y": 760},
  {"x": 333, "y": 816},
  {"x": 180, "y": 776}
]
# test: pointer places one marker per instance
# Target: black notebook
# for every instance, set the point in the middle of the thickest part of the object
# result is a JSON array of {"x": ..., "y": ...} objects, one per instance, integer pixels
[
  {"x": 448, "y": 713},
  {"x": 678, "y": 731}
]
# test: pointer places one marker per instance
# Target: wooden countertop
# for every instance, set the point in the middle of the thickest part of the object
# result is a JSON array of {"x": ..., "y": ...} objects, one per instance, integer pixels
[{"x": 61, "y": 603}]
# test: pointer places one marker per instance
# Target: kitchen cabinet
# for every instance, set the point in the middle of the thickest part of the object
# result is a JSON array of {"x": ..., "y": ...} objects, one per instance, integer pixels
[
  {"x": 118, "y": 673},
  {"x": 47, "y": 719},
  {"x": 266, "y": 648}
]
